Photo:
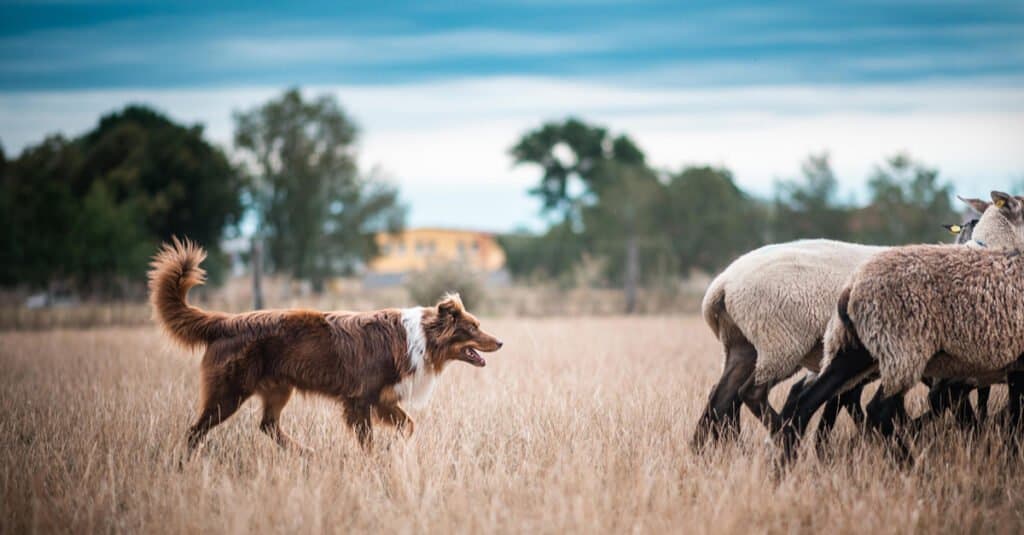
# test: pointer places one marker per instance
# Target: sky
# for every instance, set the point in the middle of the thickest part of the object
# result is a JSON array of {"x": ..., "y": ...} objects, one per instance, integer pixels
[{"x": 441, "y": 90}]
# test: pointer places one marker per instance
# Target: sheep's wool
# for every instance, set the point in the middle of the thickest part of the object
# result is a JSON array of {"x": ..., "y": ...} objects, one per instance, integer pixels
[
  {"x": 782, "y": 296},
  {"x": 905, "y": 302}
]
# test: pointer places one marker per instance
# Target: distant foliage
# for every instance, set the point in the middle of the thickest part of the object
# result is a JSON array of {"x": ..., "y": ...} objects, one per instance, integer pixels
[
  {"x": 319, "y": 215},
  {"x": 809, "y": 208},
  {"x": 709, "y": 220},
  {"x": 908, "y": 202},
  {"x": 426, "y": 287},
  {"x": 571, "y": 151},
  {"x": 550, "y": 256},
  {"x": 644, "y": 225},
  {"x": 87, "y": 212}
]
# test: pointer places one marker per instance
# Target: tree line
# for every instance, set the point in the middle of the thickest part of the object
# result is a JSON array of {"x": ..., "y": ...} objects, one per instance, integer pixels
[
  {"x": 85, "y": 213},
  {"x": 608, "y": 203}
]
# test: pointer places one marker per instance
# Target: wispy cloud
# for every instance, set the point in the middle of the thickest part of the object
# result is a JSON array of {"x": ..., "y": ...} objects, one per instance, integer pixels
[
  {"x": 407, "y": 48},
  {"x": 442, "y": 90},
  {"x": 726, "y": 43},
  {"x": 453, "y": 136}
]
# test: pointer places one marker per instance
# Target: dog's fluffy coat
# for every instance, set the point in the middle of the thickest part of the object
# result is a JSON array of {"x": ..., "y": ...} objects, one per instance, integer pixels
[{"x": 370, "y": 362}]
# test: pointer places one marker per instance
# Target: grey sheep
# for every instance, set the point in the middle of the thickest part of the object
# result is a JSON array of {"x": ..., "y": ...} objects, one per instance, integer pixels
[
  {"x": 893, "y": 318},
  {"x": 770, "y": 307}
]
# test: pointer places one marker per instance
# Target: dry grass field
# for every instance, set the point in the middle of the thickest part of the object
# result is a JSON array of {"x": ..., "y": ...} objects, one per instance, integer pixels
[{"x": 578, "y": 424}]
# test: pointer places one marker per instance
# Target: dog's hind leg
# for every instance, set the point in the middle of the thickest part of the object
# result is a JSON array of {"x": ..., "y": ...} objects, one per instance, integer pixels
[
  {"x": 274, "y": 400},
  {"x": 357, "y": 416},
  {"x": 221, "y": 398}
]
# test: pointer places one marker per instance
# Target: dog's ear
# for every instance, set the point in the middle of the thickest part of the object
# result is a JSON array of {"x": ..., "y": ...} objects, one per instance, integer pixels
[{"x": 450, "y": 306}]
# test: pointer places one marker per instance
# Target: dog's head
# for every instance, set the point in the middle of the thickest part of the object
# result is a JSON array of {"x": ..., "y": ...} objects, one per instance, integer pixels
[{"x": 455, "y": 334}]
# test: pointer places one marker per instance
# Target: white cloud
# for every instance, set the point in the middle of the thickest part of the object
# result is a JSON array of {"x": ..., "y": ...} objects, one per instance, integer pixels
[
  {"x": 453, "y": 136},
  {"x": 404, "y": 48}
]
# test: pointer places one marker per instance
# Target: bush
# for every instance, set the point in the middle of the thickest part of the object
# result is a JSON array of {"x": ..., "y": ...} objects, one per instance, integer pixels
[{"x": 428, "y": 286}]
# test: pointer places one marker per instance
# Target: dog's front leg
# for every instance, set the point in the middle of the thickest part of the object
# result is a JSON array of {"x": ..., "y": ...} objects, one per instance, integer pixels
[
  {"x": 357, "y": 416},
  {"x": 393, "y": 415}
]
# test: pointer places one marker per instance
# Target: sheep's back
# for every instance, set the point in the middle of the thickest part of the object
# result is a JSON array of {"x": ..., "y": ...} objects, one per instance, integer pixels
[
  {"x": 781, "y": 296},
  {"x": 914, "y": 302}
]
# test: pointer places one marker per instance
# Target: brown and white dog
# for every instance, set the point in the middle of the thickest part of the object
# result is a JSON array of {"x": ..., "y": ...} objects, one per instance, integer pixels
[{"x": 371, "y": 361}]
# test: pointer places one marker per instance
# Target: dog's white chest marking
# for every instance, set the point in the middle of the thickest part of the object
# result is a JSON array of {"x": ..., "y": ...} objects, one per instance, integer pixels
[{"x": 415, "y": 388}]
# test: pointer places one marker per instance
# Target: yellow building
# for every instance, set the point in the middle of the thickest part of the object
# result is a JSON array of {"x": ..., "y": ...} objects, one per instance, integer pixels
[{"x": 415, "y": 249}]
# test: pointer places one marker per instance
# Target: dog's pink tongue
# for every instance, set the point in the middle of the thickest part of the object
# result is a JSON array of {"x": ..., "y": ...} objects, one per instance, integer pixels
[{"x": 475, "y": 358}]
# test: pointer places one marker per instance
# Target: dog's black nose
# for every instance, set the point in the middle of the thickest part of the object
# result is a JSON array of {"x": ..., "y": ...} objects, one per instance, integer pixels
[{"x": 500, "y": 343}]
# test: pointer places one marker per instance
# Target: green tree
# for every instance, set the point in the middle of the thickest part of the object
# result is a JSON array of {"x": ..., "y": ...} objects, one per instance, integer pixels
[
  {"x": 176, "y": 182},
  {"x": 623, "y": 226},
  {"x": 99, "y": 222},
  {"x": 551, "y": 254},
  {"x": 569, "y": 154},
  {"x": 315, "y": 210},
  {"x": 908, "y": 203},
  {"x": 601, "y": 187},
  {"x": 89, "y": 211},
  {"x": 808, "y": 208},
  {"x": 709, "y": 219},
  {"x": 36, "y": 190}
]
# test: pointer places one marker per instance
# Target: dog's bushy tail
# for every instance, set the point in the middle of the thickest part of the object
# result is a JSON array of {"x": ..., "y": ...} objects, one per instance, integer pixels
[{"x": 175, "y": 269}]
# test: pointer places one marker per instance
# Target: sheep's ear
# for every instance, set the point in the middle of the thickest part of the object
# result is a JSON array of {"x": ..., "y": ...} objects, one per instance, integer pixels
[
  {"x": 1006, "y": 201},
  {"x": 953, "y": 229},
  {"x": 977, "y": 205},
  {"x": 450, "y": 306}
]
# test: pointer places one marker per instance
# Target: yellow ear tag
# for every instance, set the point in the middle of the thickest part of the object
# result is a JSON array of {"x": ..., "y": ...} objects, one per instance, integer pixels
[
  {"x": 955, "y": 229},
  {"x": 1000, "y": 203}
]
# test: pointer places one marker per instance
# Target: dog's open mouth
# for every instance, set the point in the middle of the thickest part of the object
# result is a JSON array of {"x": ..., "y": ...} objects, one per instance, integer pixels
[{"x": 471, "y": 356}]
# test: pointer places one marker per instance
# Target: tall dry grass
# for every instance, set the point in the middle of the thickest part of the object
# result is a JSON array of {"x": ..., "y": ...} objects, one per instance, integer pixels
[{"x": 577, "y": 425}]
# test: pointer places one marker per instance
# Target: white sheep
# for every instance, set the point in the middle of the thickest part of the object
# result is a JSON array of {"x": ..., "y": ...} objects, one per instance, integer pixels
[
  {"x": 894, "y": 315},
  {"x": 770, "y": 307}
]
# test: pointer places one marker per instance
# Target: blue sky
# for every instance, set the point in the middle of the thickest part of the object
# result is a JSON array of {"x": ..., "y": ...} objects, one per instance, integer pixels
[{"x": 441, "y": 90}]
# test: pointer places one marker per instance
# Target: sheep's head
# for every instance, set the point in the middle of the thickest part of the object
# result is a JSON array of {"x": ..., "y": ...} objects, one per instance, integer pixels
[
  {"x": 963, "y": 233},
  {"x": 1002, "y": 220}
]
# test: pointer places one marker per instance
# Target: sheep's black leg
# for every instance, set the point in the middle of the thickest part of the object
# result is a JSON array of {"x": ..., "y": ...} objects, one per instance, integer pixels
[
  {"x": 1014, "y": 405},
  {"x": 825, "y": 425},
  {"x": 847, "y": 367},
  {"x": 721, "y": 417},
  {"x": 755, "y": 397},
  {"x": 886, "y": 414},
  {"x": 943, "y": 395},
  {"x": 850, "y": 400},
  {"x": 953, "y": 395},
  {"x": 982, "y": 410},
  {"x": 789, "y": 407}
]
